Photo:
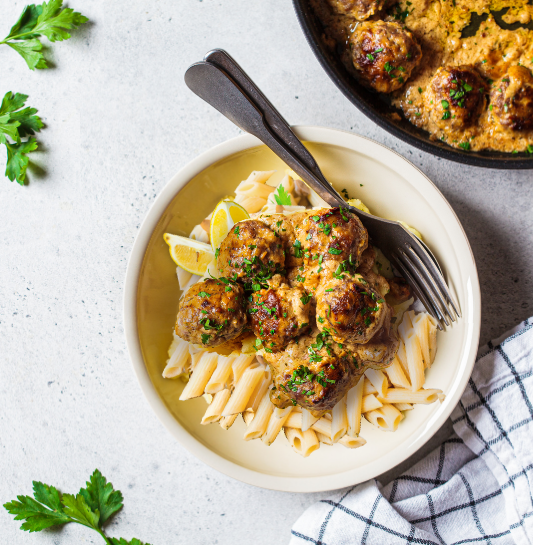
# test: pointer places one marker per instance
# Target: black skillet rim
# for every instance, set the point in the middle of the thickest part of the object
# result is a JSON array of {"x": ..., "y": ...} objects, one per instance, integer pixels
[{"x": 368, "y": 103}]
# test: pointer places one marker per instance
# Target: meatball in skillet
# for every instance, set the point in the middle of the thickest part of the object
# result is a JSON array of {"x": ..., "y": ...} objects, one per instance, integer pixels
[
  {"x": 279, "y": 315},
  {"x": 358, "y": 9},
  {"x": 211, "y": 313},
  {"x": 312, "y": 372},
  {"x": 329, "y": 236},
  {"x": 251, "y": 249},
  {"x": 349, "y": 309},
  {"x": 456, "y": 97},
  {"x": 283, "y": 228},
  {"x": 512, "y": 99},
  {"x": 384, "y": 54}
]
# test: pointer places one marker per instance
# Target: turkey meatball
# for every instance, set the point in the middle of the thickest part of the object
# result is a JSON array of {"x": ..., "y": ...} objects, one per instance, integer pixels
[
  {"x": 251, "y": 249},
  {"x": 512, "y": 99},
  {"x": 384, "y": 54},
  {"x": 456, "y": 97},
  {"x": 211, "y": 313},
  {"x": 279, "y": 315},
  {"x": 283, "y": 228},
  {"x": 329, "y": 236},
  {"x": 358, "y": 9},
  {"x": 349, "y": 309}
]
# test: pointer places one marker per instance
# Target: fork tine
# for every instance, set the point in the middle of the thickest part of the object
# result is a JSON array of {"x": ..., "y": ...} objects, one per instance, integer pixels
[
  {"x": 436, "y": 277},
  {"x": 419, "y": 292},
  {"x": 417, "y": 263}
]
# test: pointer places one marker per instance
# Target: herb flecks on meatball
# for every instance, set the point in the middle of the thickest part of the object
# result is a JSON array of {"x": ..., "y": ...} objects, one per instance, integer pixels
[
  {"x": 358, "y": 9},
  {"x": 349, "y": 309},
  {"x": 282, "y": 226},
  {"x": 384, "y": 54},
  {"x": 456, "y": 97},
  {"x": 251, "y": 252},
  {"x": 327, "y": 237},
  {"x": 279, "y": 315},
  {"x": 511, "y": 99},
  {"x": 211, "y": 313}
]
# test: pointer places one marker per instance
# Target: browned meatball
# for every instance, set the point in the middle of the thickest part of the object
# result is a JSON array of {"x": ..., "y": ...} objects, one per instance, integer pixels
[
  {"x": 456, "y": 97},
  {"x": 368, "y": 258},
  {"x": 399, "y": 290},
  {"x": 211, "y": 313},
  {"x": 279, "y": 315},
  {"x": 283, "y": 228},
  {"x": 312, "y": 372},
  {"x": 512, "y": 99},
  {"x": 251, "y": 250},
  {"x": 349, "y": 309},
  {"x": 358, "y": 9},
  {"x": 329, "y": 236},
  {"x": 384, "y": 54}
]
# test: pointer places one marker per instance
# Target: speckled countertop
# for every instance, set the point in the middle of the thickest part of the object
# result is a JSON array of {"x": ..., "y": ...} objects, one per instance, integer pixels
[{"x": 120, "y": 122}]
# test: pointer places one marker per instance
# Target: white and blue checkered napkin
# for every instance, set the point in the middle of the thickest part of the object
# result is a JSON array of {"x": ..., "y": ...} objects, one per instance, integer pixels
[{"x": 477, "y": 487}]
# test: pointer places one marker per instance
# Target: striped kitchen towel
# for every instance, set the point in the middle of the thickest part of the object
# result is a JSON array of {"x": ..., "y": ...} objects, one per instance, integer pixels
[{"x": 476, "y": 487}]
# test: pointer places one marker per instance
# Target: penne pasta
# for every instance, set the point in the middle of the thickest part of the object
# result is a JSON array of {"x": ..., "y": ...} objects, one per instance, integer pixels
[
  {"x": 415, "y": 361},
  {"x": 250, "y": 204},
  {"x": 401, "y": 395},
  {"x": 378, "y": 380},
  {"x": 432, "y": 339},
  {"x": 200, "y": 376},
  {"x": 304, "y": 443},
  {"x": 402, "y": 358},
  {"x": 274, "y": 426},
  {"x": 260, "y": 176},
  {"x": 227, "y": 421},
  {"x": 259, "y": 392},
  {"x": 244, "y": 389},
  {"x": 421, "y": 328},
  {"x": 339, "y": 420},
  {"x": 199, "y": 233},
  {"x": 396, "y": 374},
  {"x": 259, "y": 424},
  {"x": 370, "y": 402},
  {"x": 354, "y": 406},
  {"x": 214, "y": 411},
  {"x": 324, "y": 439},
  {"x": 404, "y": 406},
  {"x": 385, "y": 418},
  {"x": 352, "y": 442},
  {"x": 308, "y": 419},
  {"x": 368, "y": 387},
  {"x": 247, "y": 417},
  {"x": 239, "y": 365},
  {"x": 253, "y": 189},
  {"x": 183, "y": 277},
  {"x": 219, "y": 379},
  {"x": 179, "y": 358}
]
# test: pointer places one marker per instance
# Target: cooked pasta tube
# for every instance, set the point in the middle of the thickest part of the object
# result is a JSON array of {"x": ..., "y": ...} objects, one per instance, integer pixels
[
  {"x": 396, "y": 374},
  {"x": 324, "y": 438},
  {"x": 221, "y": 375},
  {"x": 421, "y": 328},
  {"x": 405, "y": 326},
  {"x": 442, "y": 397},
  {"x": 239, "y": 365},
  {"x": 322, "y": 425},
  {"x": 354, "y": 406},
  {"x": 370, "y": 403},
  {"x": 199, "y": 233},
  {"x": 402, "y": 358},
  {"x": 260, "y": 176},
  {"x": 244, "y": 389},
  {"x": 274, "y": 426},
  {"x": 308, "y": 419},
  {"x": 258, "y": 425},
  {"x": 214, "y": 411},
  {"x": 178, "y": 360},
  {"x": 401, "y": 395},
  {"x": 352, "y": 442},
  {"x": 200, "y": 376},
  {"x": 378, "y": 380},
  {"x": 183, "y": 277},
  {"x": 339, "y": 420},
  {"x": 432, "y": 336},
  {"x": 227, "y": 421},
  {"x": 368, "y": 387},
  {"x": 386, "y": 418},
  {"x": 247, "y": 417},
  {"x": 415, "y": 361},
  {"x": 254, "y": 189},
  {"x": 259, "y": 391},
  {"x": 404, "y": 406},
  {"x": 304, "y": 443},
  {"x": 250, "y": 204},
  {"x": 196, "y": 355}
]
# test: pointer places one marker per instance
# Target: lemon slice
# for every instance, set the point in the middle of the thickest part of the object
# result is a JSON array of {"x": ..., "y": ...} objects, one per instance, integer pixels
[
  {"x": 189, "y": 254},
  {"x": 225, "y": 215}
]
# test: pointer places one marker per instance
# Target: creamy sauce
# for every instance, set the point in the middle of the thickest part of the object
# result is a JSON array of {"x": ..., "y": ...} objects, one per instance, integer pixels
[{"x": 438, "y": 24}]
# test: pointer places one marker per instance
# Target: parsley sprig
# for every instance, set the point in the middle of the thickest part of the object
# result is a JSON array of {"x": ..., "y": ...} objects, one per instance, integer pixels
[
  {"x": 17, "y": 123},
  {"x": 282, "y": 197},
  {"x": 48, "y": 19},
  {"x": 91, "y": 507}
]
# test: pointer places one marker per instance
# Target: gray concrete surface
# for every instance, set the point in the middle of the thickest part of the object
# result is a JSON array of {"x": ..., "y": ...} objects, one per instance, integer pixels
[{"x": 120, "y": 123}]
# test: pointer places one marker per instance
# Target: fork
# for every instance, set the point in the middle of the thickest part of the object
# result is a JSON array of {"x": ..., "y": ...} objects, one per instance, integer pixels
[{"x": 223, "y": 84}]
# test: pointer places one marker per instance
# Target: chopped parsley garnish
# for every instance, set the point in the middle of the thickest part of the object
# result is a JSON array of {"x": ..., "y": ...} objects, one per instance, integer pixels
[
  {"x": 465, "y": 145},
  {"x": 305, "y": 299},
  {"x": 204, "y": 294},
  {"x": 297, "y": 249},
  {"x": 205, "y": 338},
  {"x": 334, "y": 251},
  {"x": 217, "y": 253},
  {"x": 236, "y": 230}
]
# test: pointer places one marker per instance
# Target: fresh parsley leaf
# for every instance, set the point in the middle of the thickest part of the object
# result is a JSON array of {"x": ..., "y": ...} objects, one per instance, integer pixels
[
  {"x": 92, "y": 507},
  {"x": 17, "y": 122},
  {"x": 282, "y": 197},
  {"x": 50, "y": 20}
]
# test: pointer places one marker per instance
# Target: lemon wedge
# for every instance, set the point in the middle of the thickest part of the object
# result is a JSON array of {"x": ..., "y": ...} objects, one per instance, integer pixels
[
  {"x": 191, "y": 255},
  {"x": 225, "y": 215}
]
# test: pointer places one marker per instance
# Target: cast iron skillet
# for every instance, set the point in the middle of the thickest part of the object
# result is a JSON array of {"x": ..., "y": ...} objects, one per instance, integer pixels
[{"x": 377, "y": 109}]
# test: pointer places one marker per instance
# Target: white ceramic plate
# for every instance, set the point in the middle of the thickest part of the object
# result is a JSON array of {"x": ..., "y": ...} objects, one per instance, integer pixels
[{"x": 392, "y": 188}]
